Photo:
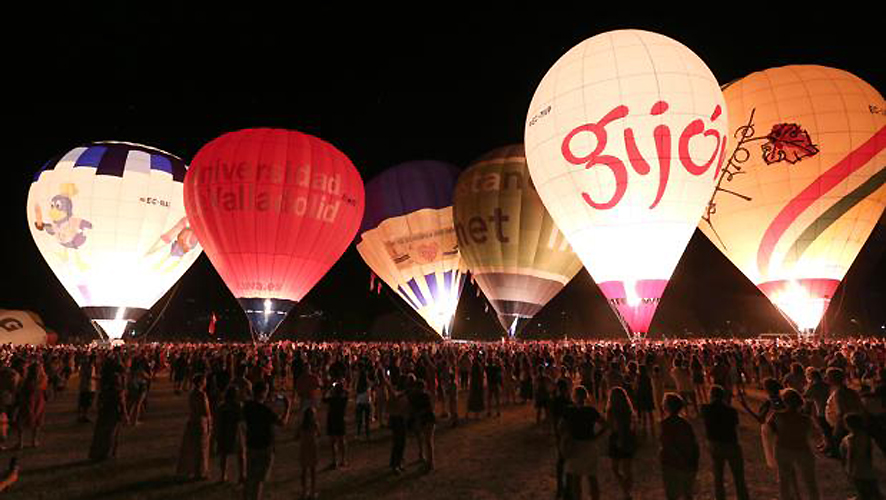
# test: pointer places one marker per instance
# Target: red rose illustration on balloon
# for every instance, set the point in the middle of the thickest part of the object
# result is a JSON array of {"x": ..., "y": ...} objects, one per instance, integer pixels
[{"x": 787, "y": 142}]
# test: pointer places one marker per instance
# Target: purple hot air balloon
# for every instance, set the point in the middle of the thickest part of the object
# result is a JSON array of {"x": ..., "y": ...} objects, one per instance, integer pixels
[{"x": 407, "y": 238}]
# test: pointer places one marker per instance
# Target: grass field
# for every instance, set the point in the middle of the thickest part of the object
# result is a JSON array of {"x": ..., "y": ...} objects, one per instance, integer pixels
[{"x": 508, "y": 457}]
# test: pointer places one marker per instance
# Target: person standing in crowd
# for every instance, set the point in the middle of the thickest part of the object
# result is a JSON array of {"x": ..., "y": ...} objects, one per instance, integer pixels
[
  {"x": 137, "y": 392},
  {"x": 421, "y": 407},
  {"x": 452, "y": 397},
  {"x": 683, "y": 380},
  {"x": 88, "y": 385},
  {"x": 559, "y": 403},
  {"x": 397, "y": 416},
  {"x": 842, "y": 401},
  {"x": 337, "y": 402},
  {"x": 577, "y": 436},
  {"x": 260, "y": 420},
  {"x": 698, "y": 380},
  {"x": 816, "y": 397},
  {"x": 32, "y": 404},
  {"x": 193, "y": 455},
  {"x": 644, "y": 403},
  {"x": 773, "y": 403},
  {"x": 791, "y": 429},
  {"x": 493, "y": 386},
  {"x": 721, "y": 430},
  {"x": 858, "y": 460},
  {"x": 308, "y": 388},
  {"x": 475, "y": 391},
  {"x": 623, "y": 439},
  {"x": 308, "y": 435},
  {"x": 678, "y": 452},
  {"x": 229, "y": 434},
  {"x": 111, "y": 413},
  {"x": 542, "y": 388},
  {"x": 363, "y": 404}
]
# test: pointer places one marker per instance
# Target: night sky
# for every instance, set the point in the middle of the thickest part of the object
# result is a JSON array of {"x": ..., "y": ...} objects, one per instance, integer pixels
[{"x": 384, "y": 87}]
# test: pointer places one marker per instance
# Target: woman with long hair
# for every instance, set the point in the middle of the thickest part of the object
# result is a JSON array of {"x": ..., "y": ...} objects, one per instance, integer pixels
[
  {"x": 32, "y": 404},
  {"x": 643, "y": 398},
  {"x": 622, "y": 440},
  {"x": 793, "y": 455},
  {"x": 193, "y": 457},
  {"x": 112, "y": 412},
  {"x": 476, "y": 401}
]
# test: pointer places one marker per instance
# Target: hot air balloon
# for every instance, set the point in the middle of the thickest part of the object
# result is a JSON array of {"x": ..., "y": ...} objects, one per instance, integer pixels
[
  {"x": 408, "y": 240},
  {"x": 274, "y": 210},
  {"x": 22, "y": 328},
  {"x": 624, "y": 138},
  {"x": 507, "y": 239},
  {"x": 803, "y": 187},
  {"x": 109, "y": 219}
]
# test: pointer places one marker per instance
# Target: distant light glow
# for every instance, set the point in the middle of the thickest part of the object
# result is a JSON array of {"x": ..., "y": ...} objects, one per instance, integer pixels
[{"x": 114, "y": 328}]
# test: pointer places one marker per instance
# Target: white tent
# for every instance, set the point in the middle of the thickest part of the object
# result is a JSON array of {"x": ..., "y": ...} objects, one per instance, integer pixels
[{"x": 21, "y": 328}]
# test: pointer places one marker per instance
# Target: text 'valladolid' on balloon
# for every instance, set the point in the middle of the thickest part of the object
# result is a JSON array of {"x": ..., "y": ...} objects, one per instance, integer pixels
[{"x": 276, "y": 209}]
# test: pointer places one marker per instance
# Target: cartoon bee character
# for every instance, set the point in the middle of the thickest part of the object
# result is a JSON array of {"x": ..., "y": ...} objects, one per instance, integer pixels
[
  {"x": 180, "y": 239},
  {"x": 70, "y": 232}
]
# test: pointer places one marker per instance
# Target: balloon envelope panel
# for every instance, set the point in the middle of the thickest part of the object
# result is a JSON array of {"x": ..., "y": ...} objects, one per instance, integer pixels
[
  {"x": 624, "y": 138},
  {"x": 509, "y": 242},
  {"x": 804, "y": 186},
  {"x": 109, "y": 219},
  {"x": 408, "y": 238}
]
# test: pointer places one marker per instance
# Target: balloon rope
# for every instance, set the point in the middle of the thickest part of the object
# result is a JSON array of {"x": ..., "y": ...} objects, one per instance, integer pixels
[{"x": 163, "y": 309}]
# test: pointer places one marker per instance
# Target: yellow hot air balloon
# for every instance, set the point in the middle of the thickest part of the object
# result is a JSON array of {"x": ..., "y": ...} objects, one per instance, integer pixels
[
  {"x": 517, "y": 255},
  {"x": 803, "y": 187}
]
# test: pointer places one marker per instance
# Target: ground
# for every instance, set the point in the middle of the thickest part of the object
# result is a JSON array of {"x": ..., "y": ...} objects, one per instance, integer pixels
[{"x": 507, "y": 457}]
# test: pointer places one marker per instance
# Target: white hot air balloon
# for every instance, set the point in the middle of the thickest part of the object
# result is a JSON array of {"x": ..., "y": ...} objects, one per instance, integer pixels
[
  {"x": 624, "y": 138},
  {"x": 110, "y": 221}
]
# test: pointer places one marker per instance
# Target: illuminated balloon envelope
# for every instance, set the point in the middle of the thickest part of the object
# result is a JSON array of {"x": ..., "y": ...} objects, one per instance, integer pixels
[
  {"x": 509, "y": 242},
  {"x": 22, "y": 328},
  {"x": 803, "y": 187},
  {"x": 408, "y": 240},
  {"x": 108, "y": 217},
  {"x": 624, "y": 138},
  {"x": 274, "y": 210}
]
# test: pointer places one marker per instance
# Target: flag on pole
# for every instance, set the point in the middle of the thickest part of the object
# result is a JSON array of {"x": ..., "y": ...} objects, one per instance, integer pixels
[{"x": 212, "y": 321}]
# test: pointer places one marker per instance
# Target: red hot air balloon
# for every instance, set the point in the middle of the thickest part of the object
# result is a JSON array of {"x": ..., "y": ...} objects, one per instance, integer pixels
[{"x": 274, "y": 210}]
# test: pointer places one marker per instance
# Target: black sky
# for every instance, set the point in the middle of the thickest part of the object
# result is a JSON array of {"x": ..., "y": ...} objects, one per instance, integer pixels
[{"x": 430, "y": 82}]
